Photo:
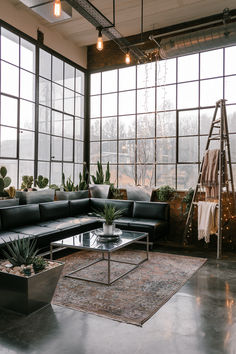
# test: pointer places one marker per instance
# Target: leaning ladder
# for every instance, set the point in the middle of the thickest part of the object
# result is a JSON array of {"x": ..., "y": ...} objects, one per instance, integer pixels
[{"x": 223, "y": 137}]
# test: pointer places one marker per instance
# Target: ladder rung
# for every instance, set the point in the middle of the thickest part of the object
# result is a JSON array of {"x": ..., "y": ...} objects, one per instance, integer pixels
[
  {"x": 216, "y": 121},
  {"x": 217, "y": 126},
  {"x": 215, "y": 138},
  {"x": 196, "y": 203}
]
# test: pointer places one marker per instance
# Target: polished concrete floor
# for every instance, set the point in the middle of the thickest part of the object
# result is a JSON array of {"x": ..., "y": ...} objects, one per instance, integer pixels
[{"x": 199, "y": 319}]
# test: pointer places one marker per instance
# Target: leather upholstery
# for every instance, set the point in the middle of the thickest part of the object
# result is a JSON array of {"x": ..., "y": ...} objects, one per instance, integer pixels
[
  {"x": 157, "y": 211},
  {"x": 54, "y": 210},
  {"x": 20, "y": 215},
  {"x": 79, "y": 206},
  {"x": 98, "y": 204},
  {"x": 34, "y": 230},
  {"x": 8, "y": 236}
]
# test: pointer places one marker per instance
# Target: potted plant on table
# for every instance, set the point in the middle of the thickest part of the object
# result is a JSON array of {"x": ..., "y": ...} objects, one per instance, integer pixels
[
  {"x": 110, "y": 214},
  {"x": 27, "y": 281}
]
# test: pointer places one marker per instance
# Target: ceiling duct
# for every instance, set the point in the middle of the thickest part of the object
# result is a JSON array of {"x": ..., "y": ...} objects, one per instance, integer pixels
[
  {"x": 190, "y": 43},
  {"x": 44, "y": 8}
]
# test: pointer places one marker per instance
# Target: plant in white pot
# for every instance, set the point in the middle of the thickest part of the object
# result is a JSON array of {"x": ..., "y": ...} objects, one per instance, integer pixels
[{"x": 110, "y": 214}]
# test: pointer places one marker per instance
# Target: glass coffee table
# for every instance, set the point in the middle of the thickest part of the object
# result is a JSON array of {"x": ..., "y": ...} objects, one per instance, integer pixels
[{"x": 89, "y": 241}]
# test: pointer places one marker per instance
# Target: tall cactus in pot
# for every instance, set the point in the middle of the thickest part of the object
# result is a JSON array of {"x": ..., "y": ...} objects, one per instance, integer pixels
[{"x": 4, "y": 181}]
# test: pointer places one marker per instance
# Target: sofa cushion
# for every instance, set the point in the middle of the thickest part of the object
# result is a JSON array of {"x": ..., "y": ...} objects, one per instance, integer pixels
[
  {"x": 34, "y": 230},
  {"x": 20, "y": 215},
  {"x": 54, "y": 210},
  {"x": 151, "y": 210},
  {"x": 147, "y": 223},
  {"x": 79, "y": 206},
  {"x": 97, "y": 204}
]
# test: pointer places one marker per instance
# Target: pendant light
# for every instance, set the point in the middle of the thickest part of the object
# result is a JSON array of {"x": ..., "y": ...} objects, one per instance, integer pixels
[
  {"x": 57, "y": 8},
  {"x": 127, "y": 57},
  {"x": 99, "y": 40}
]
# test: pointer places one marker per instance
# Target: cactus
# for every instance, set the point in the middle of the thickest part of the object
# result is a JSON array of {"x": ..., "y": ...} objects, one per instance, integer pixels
[
  {"x": 39, "y": 264},
  {"x": 11, "y": 192},
  {"x": 41, "y": 181},
  {"x": 108, "y": 174},
  {"x": 55, "y": 187},
  {"x": 27, "y": 182},
  {"x": 4, "y": 181},
  {"x": 69, "y": 185},
  {"x": 84, "y": 179},
  {"x": 99, "y": 178}
]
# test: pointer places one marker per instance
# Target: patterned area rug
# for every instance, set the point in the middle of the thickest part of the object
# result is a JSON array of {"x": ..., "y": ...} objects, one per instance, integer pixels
[{"x": 135, "y": 297}]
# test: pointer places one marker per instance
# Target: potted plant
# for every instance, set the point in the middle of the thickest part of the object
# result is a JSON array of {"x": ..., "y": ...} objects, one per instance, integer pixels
[
  {"x": 165, "y": 193},
  {"x": 27, "y": 281},
  {"x": 110, "y": 214},
  {"x": 70, "y": 191},
  {"x": 101, "y": 182},
  {"x": 31, "y": 195},
  {"x": 7, "y": 196}
]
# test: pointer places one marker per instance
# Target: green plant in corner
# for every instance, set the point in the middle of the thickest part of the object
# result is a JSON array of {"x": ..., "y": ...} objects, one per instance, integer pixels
[
  {"x": 84, "y": 179},
  {"x": 21, "y": 251},
  {"x": 110, "y": 214},
  {"x": 69, "y": 185},
  {"x": 187, "y": 200},
  {"x": 4, "y": 181},
  {"x": 99, "y": 178},
  {"x": 27, "y": 182},
  {"x": 41, "y": 182},
  {"x": 165, "y": 193}
]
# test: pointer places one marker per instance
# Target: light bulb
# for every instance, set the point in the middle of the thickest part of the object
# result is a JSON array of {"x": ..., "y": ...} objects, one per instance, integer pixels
[
  {"x": 57, "y": 8},
  {"x": 100, "y": 40},
  {"x": 127, "y": 58}
]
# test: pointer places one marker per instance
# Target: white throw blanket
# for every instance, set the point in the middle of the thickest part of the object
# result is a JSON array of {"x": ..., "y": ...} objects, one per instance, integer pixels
[{"x": 207, "y": 220}]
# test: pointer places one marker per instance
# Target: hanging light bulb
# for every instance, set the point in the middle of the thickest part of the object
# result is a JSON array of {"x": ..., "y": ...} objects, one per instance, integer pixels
[
  {"x": 99, "y": 40},
  {"x": 57, "y": 8},
  {"x": 127, "y": 58}
]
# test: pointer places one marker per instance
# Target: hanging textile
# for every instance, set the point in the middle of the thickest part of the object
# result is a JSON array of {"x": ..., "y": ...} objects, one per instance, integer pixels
[
  {"x": 209, "y": 176},
  {"x": 207, "y": 220}
]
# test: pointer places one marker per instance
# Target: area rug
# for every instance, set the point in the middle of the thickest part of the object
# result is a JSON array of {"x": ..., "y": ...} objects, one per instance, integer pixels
[{"x": 135, "y": 297}]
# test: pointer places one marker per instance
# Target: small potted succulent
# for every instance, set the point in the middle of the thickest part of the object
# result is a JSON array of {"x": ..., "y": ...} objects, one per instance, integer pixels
[
  {"x": 110, "y": 214},
  {"x": 27, "y": 281}
]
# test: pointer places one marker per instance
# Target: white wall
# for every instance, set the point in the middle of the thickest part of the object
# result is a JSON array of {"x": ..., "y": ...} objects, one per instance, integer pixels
[{"x": 22, "y": 19}]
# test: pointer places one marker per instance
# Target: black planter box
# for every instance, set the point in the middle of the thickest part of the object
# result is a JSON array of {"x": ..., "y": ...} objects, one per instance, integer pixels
[{"x": 26, "y": 295}]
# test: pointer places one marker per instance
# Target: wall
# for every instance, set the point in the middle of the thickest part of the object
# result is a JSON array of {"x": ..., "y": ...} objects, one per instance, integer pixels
[{"x": 21, "y": 18}]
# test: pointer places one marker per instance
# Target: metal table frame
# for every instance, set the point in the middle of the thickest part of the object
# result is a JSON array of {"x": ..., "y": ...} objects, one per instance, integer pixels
[{"x": 108, "y": 259}]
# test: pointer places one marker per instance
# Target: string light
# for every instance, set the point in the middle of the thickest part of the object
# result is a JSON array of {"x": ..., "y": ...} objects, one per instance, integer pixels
[
  {"x": 127, "y": 57},
  {"x": 57, "y": 8}
]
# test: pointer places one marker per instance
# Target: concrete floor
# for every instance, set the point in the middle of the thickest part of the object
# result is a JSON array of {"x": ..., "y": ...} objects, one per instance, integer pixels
[{"x": 199, "y": 319}]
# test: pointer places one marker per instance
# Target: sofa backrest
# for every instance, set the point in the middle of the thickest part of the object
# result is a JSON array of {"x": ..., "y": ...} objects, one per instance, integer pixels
[
  {"x": 151, "y": 210},
  {"x": 54, "y": 210},
  {"x": 79, "y": 206},
  {"x": 19, "y": 215},
  {"x": 97, "y": 204}
]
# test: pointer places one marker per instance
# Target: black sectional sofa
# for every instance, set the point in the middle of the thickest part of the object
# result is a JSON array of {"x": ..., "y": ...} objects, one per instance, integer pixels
[{"x": 57, "y": 220}]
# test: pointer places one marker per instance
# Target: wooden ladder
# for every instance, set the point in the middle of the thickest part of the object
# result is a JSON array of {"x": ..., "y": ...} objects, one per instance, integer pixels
[{"x": 223, "y": 137}]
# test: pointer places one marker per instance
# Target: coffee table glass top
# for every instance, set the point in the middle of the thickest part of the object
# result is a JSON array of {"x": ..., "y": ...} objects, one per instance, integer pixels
[{"x": 89, "y": 240}]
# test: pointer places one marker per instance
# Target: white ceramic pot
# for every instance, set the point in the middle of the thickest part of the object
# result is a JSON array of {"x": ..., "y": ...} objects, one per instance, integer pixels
[{"x": 108, "y": 229}]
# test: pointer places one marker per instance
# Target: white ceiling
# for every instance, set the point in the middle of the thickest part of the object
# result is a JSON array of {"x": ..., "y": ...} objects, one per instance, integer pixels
[{"x": 157, "y": 14}]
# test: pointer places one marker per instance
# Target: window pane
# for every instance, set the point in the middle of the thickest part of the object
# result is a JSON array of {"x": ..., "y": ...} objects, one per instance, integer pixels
[
  {"x": 57, "y": 97},
  {"x": 56, "y": 173},
  {"x": 113, "y": 172},
  {"x": 69, "y": 101},
  {"x": 127, "y": 78},
  {"x": 79, "y": 151},
  {"x": 211, "y": 63},
  {"x": 188, "y": 149},
  {"x": 146, "y": 75},
  {"x": 126, "y": 127},
  {"x": 78, "y": 169},
  {"x": 44, "y": 64},
  {"x": 56, "y": 148},
  {"x": 188, "y": 123},
  {"x": 165, "y": 175},
  {"x": 44, "y": 119},
  {"x": 25, "y": 168},
  {"x": 146, "y": 125},
  {"x": 127, "y": 102},
  {"x": 146, "y": 100},
  {"x": 68, "y": 126},
  {"x": 45, "y": 92},
  {"x": 79, "y": 106},
  {"x": 9, "y": 111},
  {"x": 79, "y": 129},
  {"x": 109, "y": 81},
  {"x": 166, "y": 124},
  {"x": 43, "y": 169},
  {"x": 8, "y": 142},
  {"x": 127, "y": 151},
  {"x": 126, "y": 175},
  {"x": 95, "y": 84},
  {"x": 203, "y": 141},
  {"x": 109, "y": 151},
  {"x": 56, "y": 123},
  {"x": 232, "y": 140},
  {"x": 206, "y": 116},
  {"x": 188, "y": 95},
  {"x": 166, "y": 71},
  {"x": 27, "y": 85},
  {"x": 68, "y": 170},
  {"x": 230, "y": 59},
  {"x": 95, "y": 106},
  {"x": 109, "y": 105},
  {"x": 26, "y": 141},
  {"x": 94, "y": 129},
  {"x": 166, "y": 150},
  {"x": 11, "y": 166},
  {"x": 188, "y": 67},
  {"x": 211, "y": 91},
  {"x": 186, "y": 176},
  {"x": 166, "y": 97},
  {"x": 79, "y": 81},
  {"x": 68, "y": 150},
  {"x": 69, "y": 76},
  {"x": 94, "y": 152},
  {"x": 109, "y": 128},
  {"x": 9, "y": 46},
  {"x": 27, "y": 115},
  {"x": 27, "y": 55},
  {"x": 44, "y": 147},
  {"x": 230, "y": 89},
  {"x": 231, "y": 115},
  {"x": 145, "y": 150},
  {"x": 9, "y": 79},
  {"x": 57, "y": 70},
  {"x": 145, "y": 175}
]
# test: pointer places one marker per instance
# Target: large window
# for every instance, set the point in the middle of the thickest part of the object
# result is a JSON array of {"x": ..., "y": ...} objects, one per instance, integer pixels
[
  {"x": 151, "y": 121},
  {"x": 41, "y": 111}
]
